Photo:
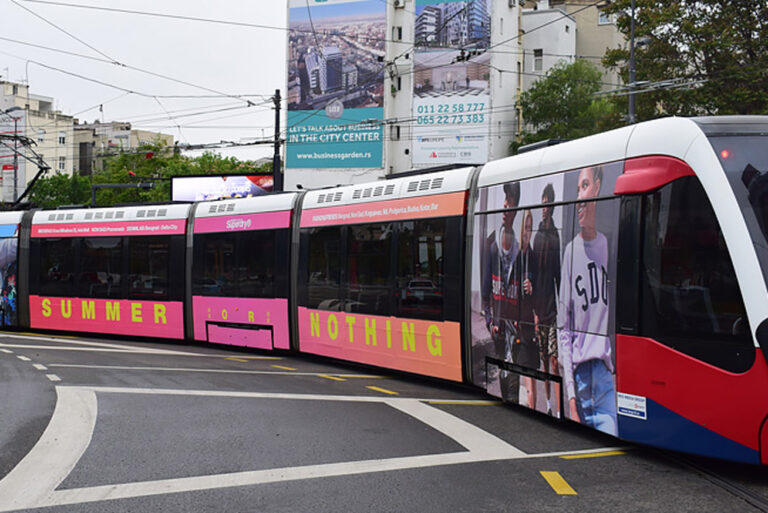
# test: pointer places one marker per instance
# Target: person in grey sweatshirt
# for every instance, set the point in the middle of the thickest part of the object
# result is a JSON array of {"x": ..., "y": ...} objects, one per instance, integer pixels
[{"x": 583, "y": 313}]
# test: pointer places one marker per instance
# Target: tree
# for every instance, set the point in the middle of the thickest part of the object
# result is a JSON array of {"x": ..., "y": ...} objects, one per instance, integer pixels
[
  {"x": 714, "y": 53},
  {"x": 155, "y": 164},
  {"x": 563, "y": 105},
  {"x": 60, "y": 189}
]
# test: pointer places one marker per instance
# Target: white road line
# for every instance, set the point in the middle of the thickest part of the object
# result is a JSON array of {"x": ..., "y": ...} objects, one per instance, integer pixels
[
  {"x": 192, "y": 369},
  {"x": 476, "y": 440},
  {"x": 75, "y": 341},
  {"x": 6, "y": 351},
  {"x": 33, "y": 483},
  {"x": 53, "y": 377},
  {"x": 137, "y": 350},
  {"x": 57, "y": 452},
  {"x": 39, "y": 366},
  {"x": 24, "y": 358}
]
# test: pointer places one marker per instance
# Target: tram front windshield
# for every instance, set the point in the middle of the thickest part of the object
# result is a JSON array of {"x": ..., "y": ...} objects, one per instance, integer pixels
[{"x": 744, "y": 158}]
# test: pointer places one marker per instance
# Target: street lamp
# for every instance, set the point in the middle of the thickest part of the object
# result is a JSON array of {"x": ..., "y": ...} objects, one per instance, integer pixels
[{"x": 15, "y": 150}]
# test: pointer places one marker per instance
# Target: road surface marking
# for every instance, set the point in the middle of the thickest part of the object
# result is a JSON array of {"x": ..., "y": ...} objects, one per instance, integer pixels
[
  {"x": 6, "y": 351},
  {"x": 24, "y": 358},
  {"x": 236, "y": 359},
  {"x": 39, "y": 366},
  {"x": 479, "y": 446},
  {"x": 283, "y": 367},
  {"x": 382, "y": 390},
  {"x": 193, "y": 369},
  {"x": 558, "y": 484},
  {"x": 468, "y": 402},
  {"x": 53, "y": 377},
  {"x": 57, "y": 452},
  {"x": 327, "y": 376},
  {"x": 593, "y": 455}
]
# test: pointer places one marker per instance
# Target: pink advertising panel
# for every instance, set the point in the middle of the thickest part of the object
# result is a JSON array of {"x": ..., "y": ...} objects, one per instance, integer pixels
[
  {"x": 430, "y": 348},
  {"x": 166, "y": 227},
  {"x": 120, "y": 317},
  {"x": 243, "y": 222},
  {"x": 438, "y": 205},
  {"x": 220, "y": 315}
]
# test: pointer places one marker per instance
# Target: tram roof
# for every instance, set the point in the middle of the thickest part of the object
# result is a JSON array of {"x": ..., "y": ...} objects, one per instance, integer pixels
[
  {"x": 668, "y": 136},
  {"x": 252, "y": 205},
  {"x": 112, "y": 214},
  {"x": 440, "y": 182}
]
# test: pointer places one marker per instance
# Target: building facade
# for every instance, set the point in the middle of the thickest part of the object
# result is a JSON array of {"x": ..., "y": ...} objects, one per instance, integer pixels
[
  {"x": 32, "y": 116},
  {"x": 596, "y": 32},
  {"x": 376, "y": 88},
  {"x": 95, "y": 141}
]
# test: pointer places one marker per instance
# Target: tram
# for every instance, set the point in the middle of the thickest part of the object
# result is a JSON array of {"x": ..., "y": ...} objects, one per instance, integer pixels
[{"x": 619, "y": 280}]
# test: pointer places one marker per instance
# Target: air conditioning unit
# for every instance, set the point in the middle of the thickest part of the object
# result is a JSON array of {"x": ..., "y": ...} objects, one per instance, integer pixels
[{"x": 399, "y": 4}]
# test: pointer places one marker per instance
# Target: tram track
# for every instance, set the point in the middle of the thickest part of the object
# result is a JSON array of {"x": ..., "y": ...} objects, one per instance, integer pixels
[{"x": 757, "y": 500}]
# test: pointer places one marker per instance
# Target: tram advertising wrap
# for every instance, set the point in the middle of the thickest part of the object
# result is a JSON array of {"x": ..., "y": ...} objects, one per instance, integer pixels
[
  {"x": 379, "y": 284},
  {"x": 240, "y": 273},
  {"x": 9, "y": 244},
  {"x": 335, "y": 83},
  {"x": 543, "y": 293}
]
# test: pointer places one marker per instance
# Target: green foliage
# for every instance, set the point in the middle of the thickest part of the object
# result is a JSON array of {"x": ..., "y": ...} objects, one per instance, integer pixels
[
  {"x": 719, "y": 48},
  {"x": 153, "y": 164},
  {"x": 60, "y": 189},
  {"x": 158, "y": 170},
  {"x": 563, "y": 105}
]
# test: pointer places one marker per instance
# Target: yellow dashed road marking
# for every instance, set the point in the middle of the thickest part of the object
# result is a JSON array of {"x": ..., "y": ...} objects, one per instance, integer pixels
[
  {"x": 283, "y": 367},
  {"x": 592, "y": 455},
  {"x": 558, "y": 484},
  {"x": 334, "y": 378},
  {"x": 236, "y": 359},
  {"x": 382, "y": 390}
]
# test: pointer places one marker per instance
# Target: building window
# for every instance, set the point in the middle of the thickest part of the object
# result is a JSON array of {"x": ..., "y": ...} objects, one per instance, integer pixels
[
  {"x": 395, "y": 132},
  {"x": 62, "y": 163},
  {"x": 397, "y": 33},
  {"x": 40, "y": 135},
  {"x": 538, "y": 59},
  {"x": 603, "y": 18},
  {"x": 62, "y": 138}
]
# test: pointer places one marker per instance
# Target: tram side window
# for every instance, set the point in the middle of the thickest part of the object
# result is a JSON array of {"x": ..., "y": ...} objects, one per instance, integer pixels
[
  {"x": 368, "y": 268},
  {"x": 101, "y": 267},
  {"x": 691, "y": 297},
  {"x": 323, "y": 268},
  {"x": 420, "y": 272},
  {"x": 256, "y": 263},
  {"x": 148, "y": 267},
  {"x": 57, "y": 267},
  {"x": 214, "y": 265}
]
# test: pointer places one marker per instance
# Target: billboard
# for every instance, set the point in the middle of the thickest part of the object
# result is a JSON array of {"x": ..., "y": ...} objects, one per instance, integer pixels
[
  {"x": 335, "y": 83},
  {"x": 451, "y": 97},
  {"x": 201, "y": 188}
]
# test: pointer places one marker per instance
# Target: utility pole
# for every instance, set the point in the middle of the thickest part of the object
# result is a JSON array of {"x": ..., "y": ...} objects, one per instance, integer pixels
[
  {"x": 15, "y": 159},
  {"x": 277, "y": 175},
  {"x": 632, "y": 66}
]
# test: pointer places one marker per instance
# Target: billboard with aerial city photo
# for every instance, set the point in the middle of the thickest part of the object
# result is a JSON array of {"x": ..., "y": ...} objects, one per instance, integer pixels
[
  {"x": 451, "y": 96},
  {"x": 335, "y": 83}
]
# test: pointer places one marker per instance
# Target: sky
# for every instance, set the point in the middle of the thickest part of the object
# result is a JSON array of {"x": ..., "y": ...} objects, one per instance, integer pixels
[{"x": 221, "y": 63}]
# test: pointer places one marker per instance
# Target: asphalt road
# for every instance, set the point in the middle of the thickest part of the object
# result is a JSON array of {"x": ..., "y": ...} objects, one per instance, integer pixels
[{"x": 92, "y": 425}]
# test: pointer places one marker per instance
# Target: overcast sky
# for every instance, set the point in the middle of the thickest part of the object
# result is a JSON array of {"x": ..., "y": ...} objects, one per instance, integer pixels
[{"x": 221, "y": 59}]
